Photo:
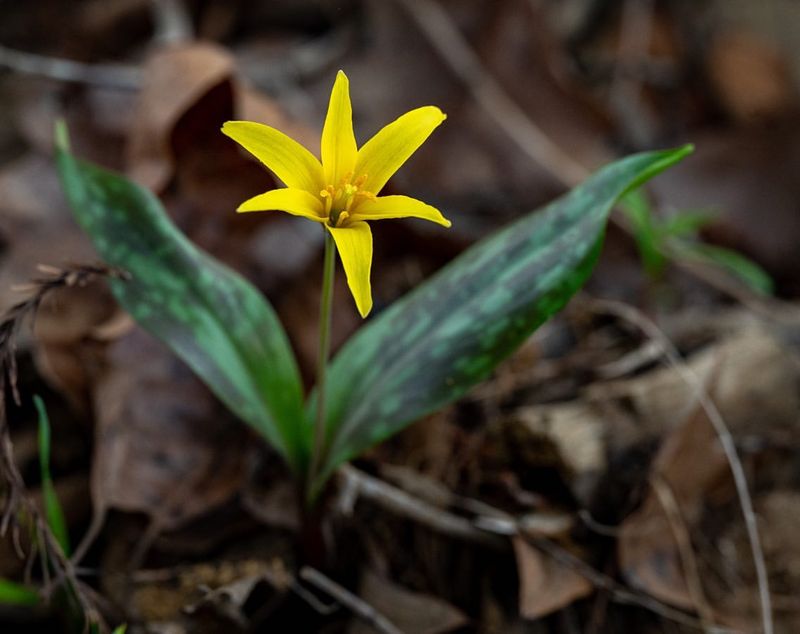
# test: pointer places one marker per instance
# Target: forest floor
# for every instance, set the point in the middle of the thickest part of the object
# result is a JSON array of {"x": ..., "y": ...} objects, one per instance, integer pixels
[{"x": 632, "y": 468}]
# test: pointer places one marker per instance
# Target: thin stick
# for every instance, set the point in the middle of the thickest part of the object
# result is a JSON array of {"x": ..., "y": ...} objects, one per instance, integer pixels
[
  {"x": 625, "y": 94},
  {"x": 173, "y": 23},
  {"x": 451, "y": 45},
  {"x": 454, "y": 49},
  {"x": 618, "y": 592},
  {"x": 118, "y": 76},
  {"x": 358, "y": 606},
  {"x": 397, "y": 501},
  {"x": 18, "y": 500},
  {"x": 646, "y": 325},
  {"x": 325, "y": 310},
  {"x": 666, "y": 497}
]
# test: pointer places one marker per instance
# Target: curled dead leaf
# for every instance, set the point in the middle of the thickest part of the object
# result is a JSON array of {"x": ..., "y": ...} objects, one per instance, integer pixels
[{"x": 545, "y": 585}]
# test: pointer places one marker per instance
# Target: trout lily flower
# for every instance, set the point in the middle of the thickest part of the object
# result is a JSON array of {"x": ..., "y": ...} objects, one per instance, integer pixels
[{"x": 341, "y": 191}]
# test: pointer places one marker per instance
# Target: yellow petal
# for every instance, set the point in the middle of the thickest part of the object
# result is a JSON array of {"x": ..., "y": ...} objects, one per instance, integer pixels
[
  {"x": 354, "y": 244},
  {"x": 297, "y": 202},
  {"x": 397, "y": 207},
  {"x": 290, "y": 161},
  {"x": 338, "y": 141},
  {"x": 384, "y": 153}
]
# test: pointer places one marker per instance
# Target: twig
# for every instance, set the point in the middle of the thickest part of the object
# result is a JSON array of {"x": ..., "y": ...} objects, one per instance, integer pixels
[
  {"x": 357, "y": 483},
  {"x": 18, "y": 500},
  {"x": 647, "y": 326},
  {"x": 91, "y": 535},
  {"x": 619, "y": 593},
  {"x": 498, "y": 525},
  {"x": 454, "y": 49},
  {"x": 118, "y": 76},
  {"x": 358, "y": 606},
  {"x": 173, "y": 23},
  {"x": 666, "y": 497},
  {"x": 625, "y": 95}
]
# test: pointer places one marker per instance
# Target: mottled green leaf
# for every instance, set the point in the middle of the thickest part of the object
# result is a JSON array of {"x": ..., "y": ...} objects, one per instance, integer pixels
[
  {"x": 52, "y": 507},
  {"x": 16, "y": 594},
  {"x": 210, "y": 316},
  {"x": 431, "y": 346}
]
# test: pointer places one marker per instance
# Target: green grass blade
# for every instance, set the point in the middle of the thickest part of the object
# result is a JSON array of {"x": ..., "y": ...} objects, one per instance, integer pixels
[
  {"x": 735, "y": 263},
  {"x": 686, "y": 224},
  {"x": 647, "y": 235},
  {"x": 431, "y": 346},
  {"x": 209, "y": 315},
  {"x": 54, "y": 513}
]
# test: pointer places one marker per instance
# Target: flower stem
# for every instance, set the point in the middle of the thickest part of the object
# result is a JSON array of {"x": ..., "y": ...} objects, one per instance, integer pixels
[{"x": 326, "y": 303}]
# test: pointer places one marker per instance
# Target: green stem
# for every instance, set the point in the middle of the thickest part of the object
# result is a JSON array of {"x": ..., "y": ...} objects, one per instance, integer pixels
[{"x": 326, "y": 303}]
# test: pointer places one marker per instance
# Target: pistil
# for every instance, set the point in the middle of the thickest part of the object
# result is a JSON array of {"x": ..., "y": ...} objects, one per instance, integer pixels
[{"x": 340, "y": 199}]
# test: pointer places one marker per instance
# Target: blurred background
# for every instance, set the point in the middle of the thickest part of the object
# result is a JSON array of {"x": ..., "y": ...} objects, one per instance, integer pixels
[{"x": 635, "y": 522}]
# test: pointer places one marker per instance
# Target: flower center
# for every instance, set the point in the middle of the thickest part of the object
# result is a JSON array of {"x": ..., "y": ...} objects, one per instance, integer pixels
[{"x": 340, "y": 199}]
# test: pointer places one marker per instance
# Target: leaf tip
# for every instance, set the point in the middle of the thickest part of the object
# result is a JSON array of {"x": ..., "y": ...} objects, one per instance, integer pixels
[{"x": 684, "y": 150}]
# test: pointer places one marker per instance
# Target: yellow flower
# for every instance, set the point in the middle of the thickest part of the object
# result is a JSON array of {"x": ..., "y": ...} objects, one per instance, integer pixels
[{"x": 342, "y": 190}]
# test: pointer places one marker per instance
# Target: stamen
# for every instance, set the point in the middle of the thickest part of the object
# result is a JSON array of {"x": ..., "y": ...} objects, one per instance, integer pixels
[
  {"x": 327, "y": 196},
  {"x": 368, "y": 195},
  {"x": 339, "y": 199}
]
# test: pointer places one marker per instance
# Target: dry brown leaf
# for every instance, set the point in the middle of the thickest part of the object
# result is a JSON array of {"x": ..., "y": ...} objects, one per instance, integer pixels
[
  {"x": 574, "y": 433},
  {"x": 545, "y": 585},
  {"x": 409, "y": 611},
  {"x": 164, "y": 445},
  {"x": 751, "y": 77},
  {"x": 690, "y": 463},
  {"x": 671, "y": 547},
  {"x": 67, "y": 353},
  {"x": 190, "y": 90},
  {"x": 176, "y": 78},
  {"x": 222, "y": 587},
  {"x": 35, "y": 225},
  {"x": 756, "y": 384}
]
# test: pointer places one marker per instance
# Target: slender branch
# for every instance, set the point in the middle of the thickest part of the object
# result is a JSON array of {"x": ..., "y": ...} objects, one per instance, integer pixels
[
  {"x": 173, "y": 22},
  {"x": 455, "y": 50},
  {"x": 457, "y": 53},
  {"x": 18, "y": 500},
  {"x": 647, "y": 326},
  {"x": 625, "y": 95},
  {"x": 358, "y": 606},
  {"x": 118, "y": 76},
  {"x": 325, "y": 311},
  {"x": 619, "y": 593},
  {"x": 680, "y": 532},
  {"x": 360, "y": 484},
  {"x": 492, "y": 530}
]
